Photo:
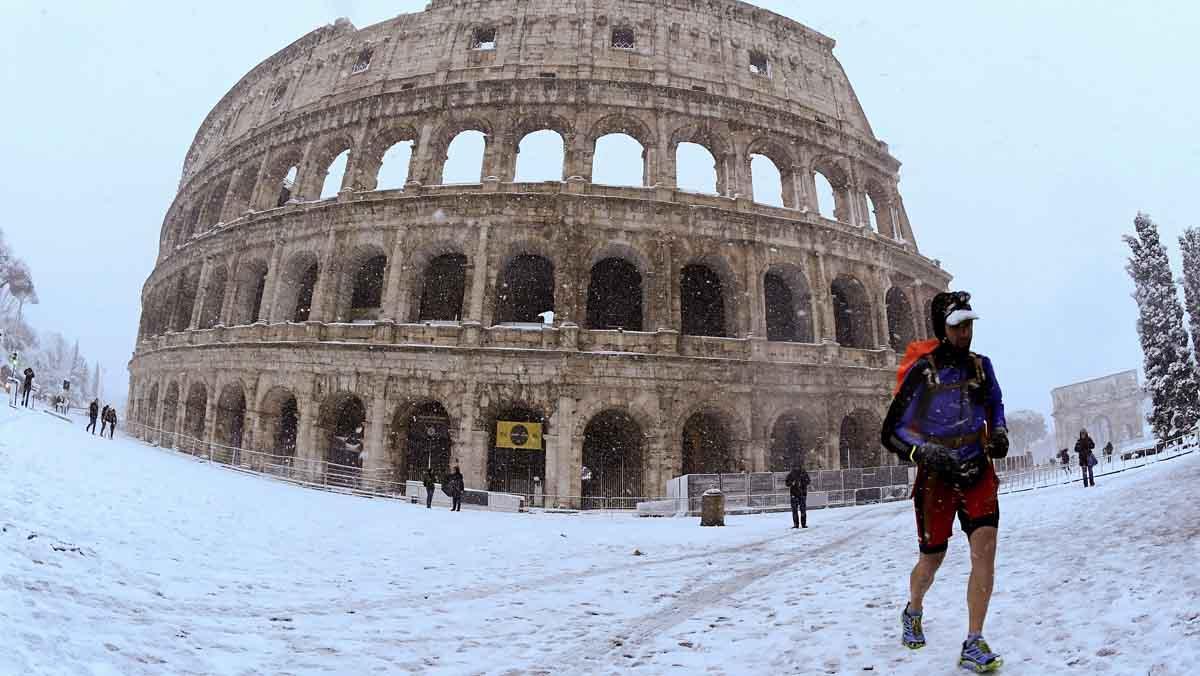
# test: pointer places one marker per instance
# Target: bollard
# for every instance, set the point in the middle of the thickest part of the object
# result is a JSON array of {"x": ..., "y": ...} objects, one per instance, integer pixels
[{"x": 712, "y": 508}]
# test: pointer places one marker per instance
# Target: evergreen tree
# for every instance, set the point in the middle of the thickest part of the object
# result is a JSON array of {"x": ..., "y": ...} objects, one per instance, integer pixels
[
  {"x": 1168, "y": 362},
  {"x": 1189, "y": 244}
]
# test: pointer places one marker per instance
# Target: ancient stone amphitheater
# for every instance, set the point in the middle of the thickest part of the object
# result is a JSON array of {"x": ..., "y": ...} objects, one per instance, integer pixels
[{"x": 384, "y": 319}]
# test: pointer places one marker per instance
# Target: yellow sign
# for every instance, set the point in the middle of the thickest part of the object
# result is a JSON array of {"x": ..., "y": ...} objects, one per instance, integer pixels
[{"x": 523, "y": 435}]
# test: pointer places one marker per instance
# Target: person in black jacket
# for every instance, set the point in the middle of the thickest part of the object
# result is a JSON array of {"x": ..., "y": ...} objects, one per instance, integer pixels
[
  {"x": 112, "y": 421},
  {"x": 797, "y": 482},
  {"x": 1084, "y": 448},
  {"x": 27, "y": 387},
  {"x": 428, "y": 482},
  {"x": 456, "y": 485},
  {"x": 93, "y": 411}
]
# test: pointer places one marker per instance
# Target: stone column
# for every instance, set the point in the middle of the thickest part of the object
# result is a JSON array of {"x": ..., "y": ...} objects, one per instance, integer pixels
[
  {"x": 231, "y": 290},
  {"x": 377, "y": 461},
  {"x": 475, "y": 308},
  {"x": 326, "y": 280},
  {"x": 394, "y": 306},
  {"x": 201, "y": 294},
  {"x": 650, "y": 161},
  {"x": 668, "y": 175},
  {"x": 564, "y": 457},
  {"x": 422, "y": 164},
  {"x": 826, "y": 329},
  {"x": 271, "y": 286},
  {"x": 883, "y": 336},
  {"x": 756, "y": 296},
  {"x": 210, "y": 411}
]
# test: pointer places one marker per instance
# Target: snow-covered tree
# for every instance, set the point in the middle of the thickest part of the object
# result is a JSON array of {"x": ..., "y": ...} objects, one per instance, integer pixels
[
  {"x": 1189, "y": 244},
  {"x": 1168, "y": 361},
  {"x": 1025, "y": 428}
]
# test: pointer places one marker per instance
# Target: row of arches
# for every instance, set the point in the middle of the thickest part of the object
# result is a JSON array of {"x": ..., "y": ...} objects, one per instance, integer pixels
[
  {"x": 526, "y": 287},
  {"x": 420, "y": 435},
  {"x": 619, "y": 149}
]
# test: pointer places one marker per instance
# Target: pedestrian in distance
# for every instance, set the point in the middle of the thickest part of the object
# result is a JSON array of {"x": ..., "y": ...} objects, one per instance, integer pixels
[
  {"x": 947, "y": 417},
  {"x": 1108, "y": 452},
  {"x": 27, "y": 386},
  {"x": 797, "y": 482},
  {"x": 1087, "y": 460},
  {"x": 457, "y": 487},
  {"x": 112, "y": 422},
  {"x": 1064, "y": 457},
  {"x": 103, "y": 420},
  {"x": 93, "y": 412},
  {"x": 428, "y": 482}
]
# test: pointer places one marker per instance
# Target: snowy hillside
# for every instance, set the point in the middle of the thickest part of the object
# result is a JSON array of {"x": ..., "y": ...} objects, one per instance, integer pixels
[{"x": 117, "y": 558}]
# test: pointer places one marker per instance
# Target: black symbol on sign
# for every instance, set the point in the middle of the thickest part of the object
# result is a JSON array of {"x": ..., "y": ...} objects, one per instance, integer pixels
[{"x": 519, "y": 435}]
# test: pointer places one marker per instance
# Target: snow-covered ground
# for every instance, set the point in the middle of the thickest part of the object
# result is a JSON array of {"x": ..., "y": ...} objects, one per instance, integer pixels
[{"x": 118, "y": 558}]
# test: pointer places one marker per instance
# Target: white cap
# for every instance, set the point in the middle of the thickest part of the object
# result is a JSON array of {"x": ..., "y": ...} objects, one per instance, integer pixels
[{"x": 959, "y": 316}]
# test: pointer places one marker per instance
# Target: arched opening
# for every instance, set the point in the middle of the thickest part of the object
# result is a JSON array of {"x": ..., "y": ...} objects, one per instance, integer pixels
[
  {"x": 707, "y": 445},
  {"x": 216, "y": 202},
  {"x": 526, "y": 290},
  {"x": 170, "y": 413},
  {"x": 280, "y": 423},
  {"x": 695, "y": 169},
  {"x": 619, "y": 159},
  {"x": 394, "y": 168},
  {"x": 851, "y": 313},
  {"x": 252, "y": 285},
  {"x": 766, "y": 180},
  {"x": 464, "y": 158},
  {"x": 185, "y": 300},
  {"x": 1101, "y": 432},
  {"x": 540, "y": 157},
  {"x": 701, "y": 301},
  {"x": 826, "y": 196},
  {"x": 788, "y": 303},
  {"x": 612, "y": 459},
  {"x": 366, "y": 293},
  {"x": 334, "y": 175},
  {"x": 306, "y": 285},
  {"x": 880, "y": 207},
  {"x": 151, "y": 410},
  {"x": 343, "y": 421},
  {"x": 615, "y": 296},
  {"x": 287, "y": 186},
  {"x": 517, "y": 470},
  {"x": 231, "y": 416},
  {"x": 214, "y": 298},
  {"x": 795, "y": 442},
  {"x": 442, "y": 288},
  {"x": 901, "y": 330},
  {"x": 858, "y": 442},
  {"x": 195, "y": 411},
  {"x": 420, "y": 440}
]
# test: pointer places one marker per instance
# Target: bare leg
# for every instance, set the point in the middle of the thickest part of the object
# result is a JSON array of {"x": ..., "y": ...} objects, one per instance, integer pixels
[
  {"x": 922, "y": 579},
  {"x": 983, "y": 573}
]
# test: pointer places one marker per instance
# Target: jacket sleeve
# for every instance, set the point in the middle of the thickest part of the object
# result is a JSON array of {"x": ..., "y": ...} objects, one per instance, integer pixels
[
  {"x": 897, "y": 434},
  {"x": 995, "y": 397}
]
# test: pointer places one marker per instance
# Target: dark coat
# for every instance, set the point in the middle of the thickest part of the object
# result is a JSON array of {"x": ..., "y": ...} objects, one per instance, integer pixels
[
  {"x": 798, "y": 480},
  {"x": 456, "y": 484},
  {"x": 428, "y": 481},
  {"x": 28, "y": 377},
  {"x": 92, "y": 413},
  {"x": 1084, "y": 448}
]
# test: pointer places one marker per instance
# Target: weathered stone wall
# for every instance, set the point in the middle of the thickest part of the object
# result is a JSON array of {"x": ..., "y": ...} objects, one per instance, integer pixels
[{"x": 224, "y": 242}]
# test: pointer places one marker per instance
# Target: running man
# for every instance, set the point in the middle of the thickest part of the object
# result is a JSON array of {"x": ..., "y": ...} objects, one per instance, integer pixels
[{"x": 948, "y": 418}]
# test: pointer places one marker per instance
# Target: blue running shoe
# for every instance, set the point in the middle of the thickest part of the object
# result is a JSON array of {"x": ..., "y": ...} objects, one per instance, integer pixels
[
  {"x": 914, "y": 637},
  {"x": 978, "y": 657}
]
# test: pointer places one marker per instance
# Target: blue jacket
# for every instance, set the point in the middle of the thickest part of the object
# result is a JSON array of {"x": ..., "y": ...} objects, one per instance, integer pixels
[{"x": 962, "y": 398}]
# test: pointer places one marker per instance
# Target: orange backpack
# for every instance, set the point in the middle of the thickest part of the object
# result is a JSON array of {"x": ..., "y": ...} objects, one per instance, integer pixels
[{"x": 915, "y": 351}]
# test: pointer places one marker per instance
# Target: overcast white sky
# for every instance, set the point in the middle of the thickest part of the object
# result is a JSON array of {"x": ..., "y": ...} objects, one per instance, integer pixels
[{"x": 1031, "y": 133}]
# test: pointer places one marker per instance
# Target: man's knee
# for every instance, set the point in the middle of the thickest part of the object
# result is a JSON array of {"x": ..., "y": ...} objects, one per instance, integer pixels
[{"x": 929, "y": 562}]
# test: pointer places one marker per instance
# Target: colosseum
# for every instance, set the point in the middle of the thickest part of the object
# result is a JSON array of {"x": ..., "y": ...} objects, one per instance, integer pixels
[{"x": 327, "y": 292}]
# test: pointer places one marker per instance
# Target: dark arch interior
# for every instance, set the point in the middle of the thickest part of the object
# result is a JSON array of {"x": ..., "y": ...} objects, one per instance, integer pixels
[
  {"x": 793, "y": 444},
  {"x": 615, "y": 296},
  {"x": 512, "y": 470},
  {"x": 422, "y": 434},
  {"x": 304, "y": 295},
  {"x": 707, "y": 446},
  {"x": 287, "y": 428},
  {"x": 852, "y": 317},
  {"x": 346, "y": 425},
  {"x": 231, "y": 417},
  {"x": 782, "y": 320},
  {"x": 701, "y": 301},
  {"x": 444, "y": 285},
  {"x": 368, "y": 284},
  {"x": 900, "y": 320},
  {"x": 858, "y": 443},
  {"x": 214, "y": 295},
  {"x": 526, "y": 289},
  {"x": 612, "y": 458}
]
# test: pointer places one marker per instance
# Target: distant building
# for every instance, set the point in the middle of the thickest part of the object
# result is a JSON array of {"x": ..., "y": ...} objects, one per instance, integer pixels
[{"x": 1110, "y": 408}]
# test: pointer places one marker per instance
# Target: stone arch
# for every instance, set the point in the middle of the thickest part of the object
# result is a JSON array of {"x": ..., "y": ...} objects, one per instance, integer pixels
[
  {"x": 539, "y": 147},
  {"x": 852, "y": 314},
  {"x": 421, "y": 438},
  {"x": 613, "y": 450},
  {"x": 704, "y": 135},
  {"x": 280, "y": 416},
  {"x": 881, "y": 216},
  {"x": 370, "y": 161},
  {"x": 858, "y": 440},
  {"x": 250, "y": 289},
  {"x": 321, "y": 163},
  {"x": 196, "y": 410},
  {"x": 214, "y": 296},
  {"x": 434, "y": 286},
  {"x": 901, "y": 328},
  {"x": 170, "y": 411},
  {"x": 276, "y": 189},
  {"x": 150, "y": 413},
  {"x": 707, "y": 443},
  {"x": 451, "y": 131},
  {"x": 1101, "y": 430},
  {"x": 784, "y": 162},
  {"x": 361, "y": 287},
  {"x": 342, "y": 424},
  {"x": 707, "y": 289},
  {"x": 231, "y": 416},
  {"x": 525, "y": 287},
  {"x": 214, "y": 201},
  {"x": 788, "y": 302},
  {"x": 512, "y": 470},
  {"x": 297, "y": 286},
  {"x": 241, "y": 192},
  {"x": 528, "y": 125},
  {"x": 796, "y": 438},
  {"x": 838, "y": 176},
  {"x": 615, "y": 295},
  {"x": 184, "y": 301},
  {"x": 627, "y": 125}
]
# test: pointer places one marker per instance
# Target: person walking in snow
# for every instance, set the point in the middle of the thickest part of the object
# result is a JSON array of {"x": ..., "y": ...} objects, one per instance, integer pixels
[
  {"x": 948, "y": 418},
  {"x": 429, "y": 483},
  {"x": 112, "y": 422},
  {"x": 1064, "y": 457},
  {"x": 1084, "y": 448},
  {"x": 28, "y": 385},
  {"x": 797, "y": 482},
  {"x": 457, "y": 487},
  {"x": 103, "y": 420},
  {"x": 93, "y": 412},
  {"x": 1108, "y": 452}
]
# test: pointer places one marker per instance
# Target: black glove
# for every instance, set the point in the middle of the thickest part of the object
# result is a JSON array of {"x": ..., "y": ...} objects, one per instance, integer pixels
[
  {"x": 998, "y": 444},
  {"x": 936, "y": 459}
]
